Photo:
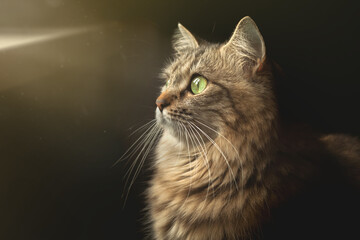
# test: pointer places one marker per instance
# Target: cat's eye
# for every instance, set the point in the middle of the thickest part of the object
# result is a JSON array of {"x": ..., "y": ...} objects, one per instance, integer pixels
[
  {"x": 198, "y": 84},
  {"x": 167, "y": 83}
]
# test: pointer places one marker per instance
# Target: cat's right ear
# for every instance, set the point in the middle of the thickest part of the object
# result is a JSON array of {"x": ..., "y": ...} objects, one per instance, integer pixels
[
  {"x": 183, "y": 39},
  {"x": 247, "y": 44}
]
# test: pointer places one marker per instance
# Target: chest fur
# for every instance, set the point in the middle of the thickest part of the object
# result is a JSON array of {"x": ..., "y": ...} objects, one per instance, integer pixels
[{"x": 196, "y": 197}]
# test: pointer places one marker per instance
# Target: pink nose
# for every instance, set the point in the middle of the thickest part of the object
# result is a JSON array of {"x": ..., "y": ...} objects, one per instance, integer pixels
[{"x": 161, "y": 103}]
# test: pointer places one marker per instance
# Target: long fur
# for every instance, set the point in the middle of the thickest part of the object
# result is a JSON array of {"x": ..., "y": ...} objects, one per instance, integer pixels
[{"x": 224, "y": 160}]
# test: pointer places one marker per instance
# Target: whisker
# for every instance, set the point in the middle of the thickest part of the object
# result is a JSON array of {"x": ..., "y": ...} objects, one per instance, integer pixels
[
  {"x": 203, "y": 148},
  {"x": 232, "y": 145},
  {"x": 221, "y": 152},
  {"x": 219, "y": 135},
  {"x": 150, "y": 145},
  {"x": 143, "y": 126},
  {"x": 146, "y": 153},
  {"x": 145, "y": 143},
  {"x": 180, "y": 141},
  {"x": 189, "y": 158},
  {"x": 125, "y": 156}
]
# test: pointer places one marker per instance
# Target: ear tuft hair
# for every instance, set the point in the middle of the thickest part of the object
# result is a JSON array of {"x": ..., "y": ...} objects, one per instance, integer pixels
[
  {"x": 246, "y": 41},
  {"x": 183, "y": 39}
]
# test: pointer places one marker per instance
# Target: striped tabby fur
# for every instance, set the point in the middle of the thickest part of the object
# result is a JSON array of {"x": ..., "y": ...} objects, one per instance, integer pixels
[{"x": 223, "y": 160}]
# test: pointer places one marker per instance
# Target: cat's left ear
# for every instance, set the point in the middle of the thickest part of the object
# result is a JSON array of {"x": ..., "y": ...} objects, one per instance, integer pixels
[
  {"x": 247, "y": 42},
  {"x": 183, "y": 39}
]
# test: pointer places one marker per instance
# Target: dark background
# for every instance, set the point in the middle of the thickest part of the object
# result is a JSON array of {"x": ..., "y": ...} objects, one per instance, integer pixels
[{"x": 69, "y": 103}]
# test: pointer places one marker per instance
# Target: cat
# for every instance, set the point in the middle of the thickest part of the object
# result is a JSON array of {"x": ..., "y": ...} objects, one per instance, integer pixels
[{"x": 225, "y": 162}]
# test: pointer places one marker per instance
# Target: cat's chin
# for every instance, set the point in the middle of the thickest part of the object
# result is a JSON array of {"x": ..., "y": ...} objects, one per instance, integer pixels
[
  {"x": 160, "y": 119},
  {"x": 194, "y": 136},
  {"x": 164, "y": 121}
]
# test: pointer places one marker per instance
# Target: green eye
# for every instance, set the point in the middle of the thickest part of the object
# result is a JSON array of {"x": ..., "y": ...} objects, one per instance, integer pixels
[
  {"x": 198, "y": 84},
  {"x": 167, "y": 83}
]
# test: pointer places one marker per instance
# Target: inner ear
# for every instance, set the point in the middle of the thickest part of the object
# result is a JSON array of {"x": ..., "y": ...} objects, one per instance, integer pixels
[
  {"x": 247, "y": 41},
  {"x": 183, "y": 39}
]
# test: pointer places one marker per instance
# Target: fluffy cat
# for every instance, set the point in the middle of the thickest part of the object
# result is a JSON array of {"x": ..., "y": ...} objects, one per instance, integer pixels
[{"x": 225, "y": 160}]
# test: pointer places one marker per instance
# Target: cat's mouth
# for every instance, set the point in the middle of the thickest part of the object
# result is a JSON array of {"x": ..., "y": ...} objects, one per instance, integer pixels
[
  {"x": 173, "y": 118},
  {"x": 161, "y": 117},
  {"x": 165, "y": 120},
  {"x": 184, "y": 126}
]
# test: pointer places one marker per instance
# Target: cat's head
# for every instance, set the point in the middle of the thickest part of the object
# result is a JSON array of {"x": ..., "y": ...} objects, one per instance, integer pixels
[{"x": 211, "y": 89}]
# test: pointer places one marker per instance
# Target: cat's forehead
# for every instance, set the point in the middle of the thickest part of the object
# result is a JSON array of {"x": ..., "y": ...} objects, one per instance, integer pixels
[{"x": 197, "y": 61}]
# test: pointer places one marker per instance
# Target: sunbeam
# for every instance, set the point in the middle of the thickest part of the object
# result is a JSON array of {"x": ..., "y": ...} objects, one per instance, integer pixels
[{"x": 14, "y": 38}]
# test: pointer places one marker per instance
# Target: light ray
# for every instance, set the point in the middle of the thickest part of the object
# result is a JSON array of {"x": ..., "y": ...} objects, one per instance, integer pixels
[{"x": 14, "y": 38}]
